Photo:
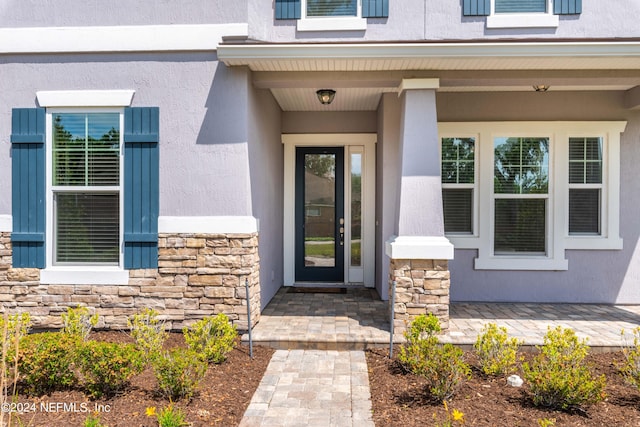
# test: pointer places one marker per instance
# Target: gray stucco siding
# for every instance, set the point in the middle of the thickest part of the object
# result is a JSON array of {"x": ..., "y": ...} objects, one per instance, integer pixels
[{"x": 204, "y": 168}]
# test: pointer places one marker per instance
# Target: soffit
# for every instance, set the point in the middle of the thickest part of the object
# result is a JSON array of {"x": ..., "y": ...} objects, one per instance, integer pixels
[{"x": 361, "y": 73}]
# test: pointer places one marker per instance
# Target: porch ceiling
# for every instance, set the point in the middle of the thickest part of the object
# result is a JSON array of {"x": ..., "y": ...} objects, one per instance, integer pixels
[{"x": 361, "y": 73}]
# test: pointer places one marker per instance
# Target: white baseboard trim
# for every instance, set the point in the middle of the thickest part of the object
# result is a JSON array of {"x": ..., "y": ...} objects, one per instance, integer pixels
[{"x": 208, "y": 224}]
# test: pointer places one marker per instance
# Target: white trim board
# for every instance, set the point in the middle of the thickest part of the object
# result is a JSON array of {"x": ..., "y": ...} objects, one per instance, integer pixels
[
  {"x": 85, "y": 98},
  {"x": 6, "y": 223},
  {"x": 121, "y": 38},
  {"x": 208, "y": 224}
]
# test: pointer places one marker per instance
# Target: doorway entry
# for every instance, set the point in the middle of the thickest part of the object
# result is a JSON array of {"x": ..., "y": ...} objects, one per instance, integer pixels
[{"x": 329, "y": 215}]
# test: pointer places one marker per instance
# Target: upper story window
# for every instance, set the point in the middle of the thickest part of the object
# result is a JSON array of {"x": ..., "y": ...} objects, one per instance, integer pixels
[
  {"x": 521, "y": 13},
  {"x": 331, "y": 15}
]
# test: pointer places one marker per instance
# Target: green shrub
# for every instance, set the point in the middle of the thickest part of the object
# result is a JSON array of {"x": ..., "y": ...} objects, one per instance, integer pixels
[
  {"x": 179, "y": 372},
  {"x": 496, "y": 351},
  {"x": 105, "y": 368},
  {"x": 171, "y": 417},
  {"x": 212, "y": 337},
  {"x": 631, "y": 368},
  {"x": 558, "y": 376},
  {"x": 148, "y": 332},
  {"x": 45, "y": 362},
  {"x": 93, "y": 421},
  {"x": 78, "y": 322},
  {"x": 441, "y": 365}
]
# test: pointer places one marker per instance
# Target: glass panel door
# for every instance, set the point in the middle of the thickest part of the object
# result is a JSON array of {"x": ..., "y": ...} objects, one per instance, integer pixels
[{"x": 320, "y": 223}]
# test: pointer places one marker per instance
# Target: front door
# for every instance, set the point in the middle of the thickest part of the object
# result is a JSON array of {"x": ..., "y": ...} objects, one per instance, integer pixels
[{"x": 319, "y": 214}]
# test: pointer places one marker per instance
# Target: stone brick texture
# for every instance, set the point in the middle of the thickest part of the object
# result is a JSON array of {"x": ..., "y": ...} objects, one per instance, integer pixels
[
  {"x": 198, "y": 275},
  {"x": 422, "y": 287}
]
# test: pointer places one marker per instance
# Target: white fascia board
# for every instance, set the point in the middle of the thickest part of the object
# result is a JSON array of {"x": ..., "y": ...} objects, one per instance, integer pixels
[
  {"x": 85, "y": 98},
  {"x": 234, "y": 53},
  {"x": 6, "y": 223},
  {"x": 136, "y": 38},
  {"x": 208, "y": 224},
  {"x": 419, "y": 247}
]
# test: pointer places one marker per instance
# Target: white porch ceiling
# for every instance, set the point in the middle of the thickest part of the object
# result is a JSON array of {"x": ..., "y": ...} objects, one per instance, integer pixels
[{"x": 361, "y": 73}]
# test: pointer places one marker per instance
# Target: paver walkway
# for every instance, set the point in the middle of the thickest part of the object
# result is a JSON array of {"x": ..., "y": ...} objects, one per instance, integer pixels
[{"x": 312, "y": 388}]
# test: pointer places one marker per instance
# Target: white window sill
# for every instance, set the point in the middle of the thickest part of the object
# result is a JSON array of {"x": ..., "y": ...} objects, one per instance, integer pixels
[
  {"x": 593, "y": 243},
  {"x": 460, "y": 241},
  {"x": 84, "y": 276},
  {"x": 533, "y": 20},
  {"x": 520, "y": 263},
  {"x": 332, "y": 24}
]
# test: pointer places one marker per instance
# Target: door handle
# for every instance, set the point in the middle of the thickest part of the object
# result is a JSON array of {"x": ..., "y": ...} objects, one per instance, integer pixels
[{"x": 341, "y": 231}]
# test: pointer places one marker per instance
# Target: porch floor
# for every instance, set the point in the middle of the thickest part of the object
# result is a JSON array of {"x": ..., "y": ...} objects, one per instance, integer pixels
[{"x": 359, "y": 319}]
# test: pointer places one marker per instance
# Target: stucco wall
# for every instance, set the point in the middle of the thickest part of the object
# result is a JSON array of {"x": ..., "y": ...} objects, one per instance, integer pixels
[
  {"x": 443, "y": 20},
  {"x": 329, "y": 122},
  {"x": 53, "y": 13},
  {"x": 203, "y": 120},
  {"x": 593, "y": 276},
  {"x": 266, "y": 162}
]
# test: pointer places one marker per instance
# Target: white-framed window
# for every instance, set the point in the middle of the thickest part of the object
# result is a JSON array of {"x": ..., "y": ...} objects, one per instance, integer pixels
[
  {"x": 522, "y": 13},
  {"x": 541, "y": 188},
  {"x": 84, "y": 195},
  {"x": 331, "y": 15},
  {"x": 458, "y": 177}
]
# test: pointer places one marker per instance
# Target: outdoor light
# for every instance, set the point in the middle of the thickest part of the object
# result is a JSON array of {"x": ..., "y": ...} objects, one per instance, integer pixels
[
  {"x": 541, "y": 88},
  {"x": 325, "y": 96}
]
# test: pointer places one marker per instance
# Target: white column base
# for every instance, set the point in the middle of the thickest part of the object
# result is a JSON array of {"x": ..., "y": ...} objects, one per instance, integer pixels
[{"x": 419, "y": 247}]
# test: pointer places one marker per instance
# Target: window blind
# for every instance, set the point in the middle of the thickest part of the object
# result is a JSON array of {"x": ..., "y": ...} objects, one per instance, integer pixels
[
  {"x": 520, "y": 226},
  {"x": 520, "y": 6},
  {"x": 332, "y": 8},
  {"x": 585, "y": 185},
  {"x": 458, "y": 210}
]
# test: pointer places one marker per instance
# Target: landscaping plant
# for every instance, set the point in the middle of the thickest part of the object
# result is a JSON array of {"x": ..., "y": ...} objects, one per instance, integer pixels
[
  {"x": 45, "y": 362},
  {"x": 558, "y": 377},
  {"x": 179, "y": 372},
  {"x": 148, "y": 332},
  {"x": 12, "y": 328},
  {"x": 171, "y": 417},
  {"x": 93, "y": 421},
  {"x": 631, "y": 368},
  {"x": 212, "y": 337},
  {"x": 441, "y": 365},
  {"x": 78, "y": 322},
  {"x": 497, "y": 353},
  {"x": 106, "y": 368}
]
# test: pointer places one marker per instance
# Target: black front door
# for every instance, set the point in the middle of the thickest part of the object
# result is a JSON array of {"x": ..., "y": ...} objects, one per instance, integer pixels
[{"x": 319, "y": 214}]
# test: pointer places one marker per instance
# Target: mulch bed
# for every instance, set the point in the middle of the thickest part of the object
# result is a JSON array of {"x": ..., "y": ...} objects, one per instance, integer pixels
[
  {"x": 221, "y": 400},
  {"x": 399, "y": 399}
]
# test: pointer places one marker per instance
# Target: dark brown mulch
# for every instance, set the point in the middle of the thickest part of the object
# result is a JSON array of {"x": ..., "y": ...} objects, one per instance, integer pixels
[
  {"x": 221, "y": 400},
  {"x": 399, "y": 398}
]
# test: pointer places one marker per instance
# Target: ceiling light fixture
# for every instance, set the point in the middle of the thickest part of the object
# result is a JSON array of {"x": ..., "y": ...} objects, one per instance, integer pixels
[
  {"x": 541, "y": 88},
  {"x": 325, "y": 96}
]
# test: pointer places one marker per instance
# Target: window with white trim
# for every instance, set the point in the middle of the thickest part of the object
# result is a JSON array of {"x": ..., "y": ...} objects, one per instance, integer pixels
[
  {"x": 86, "y": 188},
  {"x": 331, "y": 15},
  {"x": 458, "y": 184},
  {"x": 522, "y": 13},
  {"x": 539, "y": 188}
]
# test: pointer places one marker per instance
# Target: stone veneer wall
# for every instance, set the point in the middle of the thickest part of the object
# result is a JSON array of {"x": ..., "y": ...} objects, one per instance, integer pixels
[
  {"x": 198, "y": 275},
  {"x": 422, "y": 287}
]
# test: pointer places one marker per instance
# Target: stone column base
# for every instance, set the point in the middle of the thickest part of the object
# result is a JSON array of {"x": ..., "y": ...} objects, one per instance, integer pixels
[{"x": 422, "y": 287}]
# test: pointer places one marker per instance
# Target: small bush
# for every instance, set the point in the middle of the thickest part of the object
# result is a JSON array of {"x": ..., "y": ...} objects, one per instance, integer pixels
[
  {"x": 105, "y": 368},
  {"x": 179, "y": 372},
  {"x": 148, "y": 332},
  {"x": 496, "y": 352},
  {"x": 171, "y": 417},
  {"x": 558, "y": 377},
  {"x": 630, "y": 369},
  {"x": 45, "y": 362},
  {"x": 212, "y": 337},
  {"x": 78, "y": 322},
  {"x": 441, "y": 365},
  {"x": 93, "y": 421}
]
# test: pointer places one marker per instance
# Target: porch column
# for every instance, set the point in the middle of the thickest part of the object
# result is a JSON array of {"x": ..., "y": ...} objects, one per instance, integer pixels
[{"x": 419, "y": 252}]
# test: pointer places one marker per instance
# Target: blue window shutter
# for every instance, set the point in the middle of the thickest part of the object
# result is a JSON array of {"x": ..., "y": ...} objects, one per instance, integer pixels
[
  {"x": 141, "y": 187},
  {"x": 476, "y": 7},
  {"x": 28, "y": 187},
  {"x": 375, "y": 8},
  {"x": 567, "y": 7},
  {"x": 288, "y": 9}
]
